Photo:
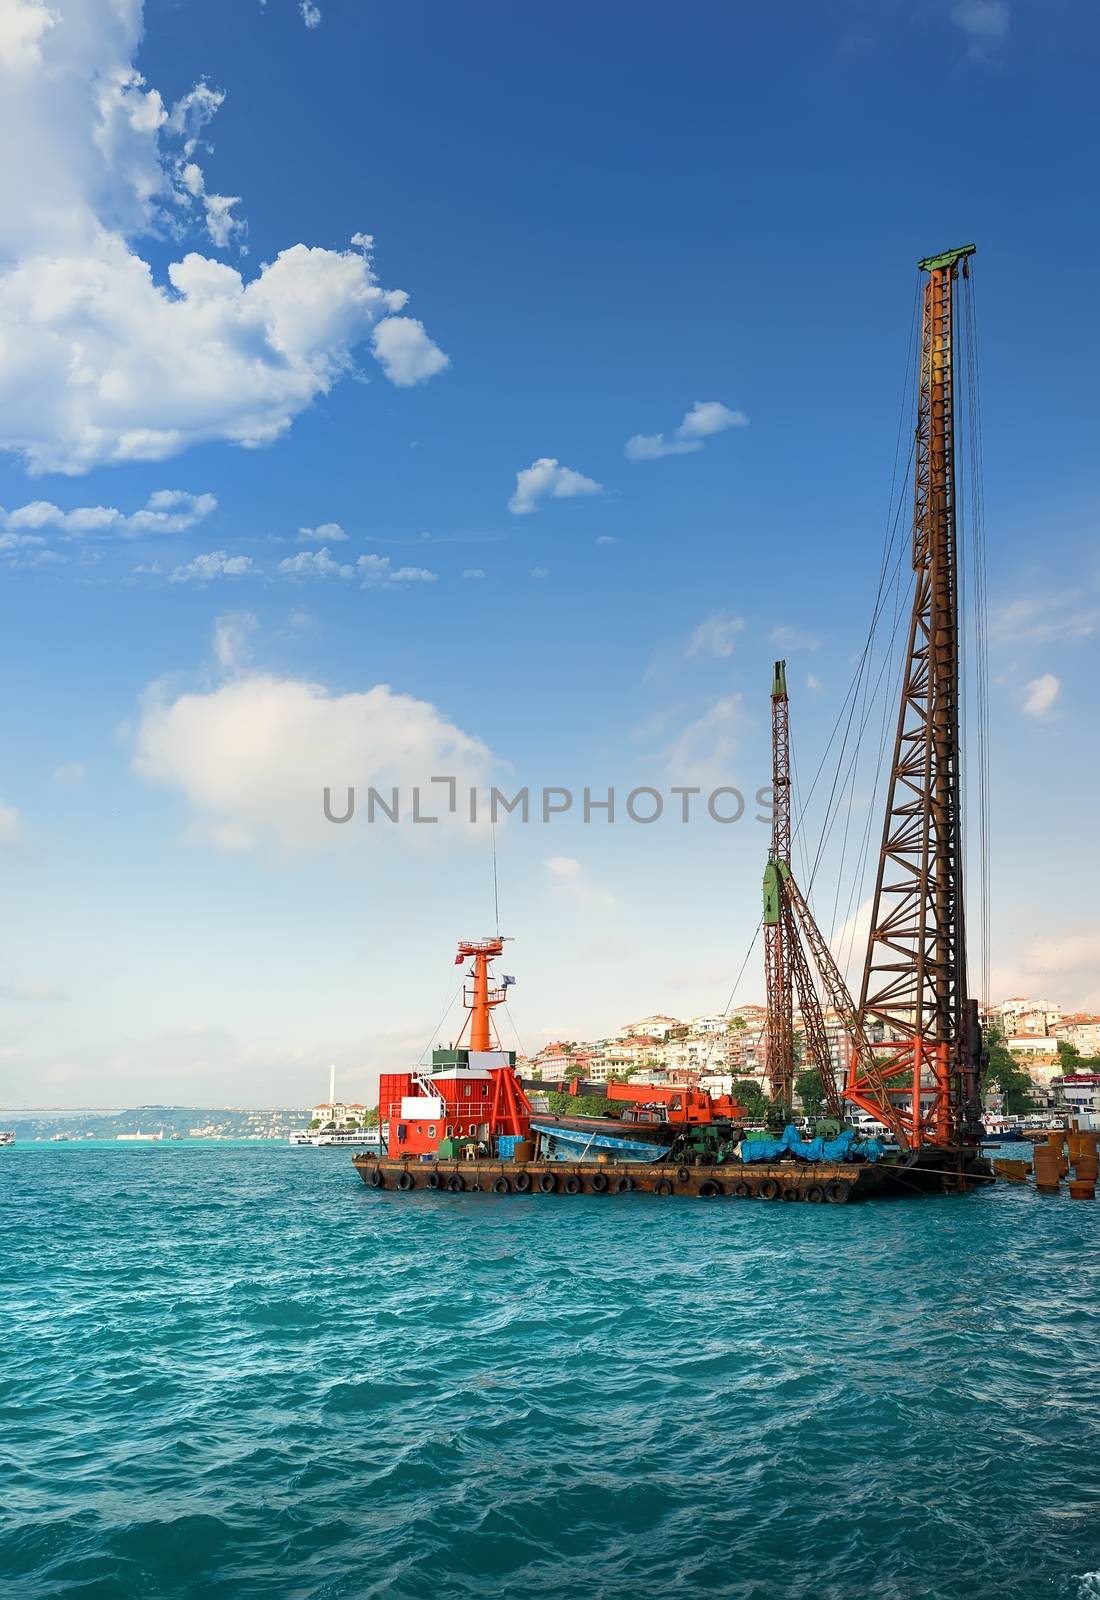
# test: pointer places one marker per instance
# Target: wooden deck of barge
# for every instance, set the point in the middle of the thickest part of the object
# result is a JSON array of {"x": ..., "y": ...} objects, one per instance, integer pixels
[{"x": 821, "y": 1182}]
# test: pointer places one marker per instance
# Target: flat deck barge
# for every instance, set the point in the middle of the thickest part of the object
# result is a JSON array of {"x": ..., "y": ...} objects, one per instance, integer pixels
[{"x": 821, "y": 1182}]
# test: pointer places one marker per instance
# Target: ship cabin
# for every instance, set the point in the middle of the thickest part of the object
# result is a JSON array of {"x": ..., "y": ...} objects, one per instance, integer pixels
[{"x": 459, "y": 1098}]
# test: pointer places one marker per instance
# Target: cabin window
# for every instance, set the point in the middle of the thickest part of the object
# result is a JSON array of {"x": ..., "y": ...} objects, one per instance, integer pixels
[
  {"x": 450, "y": 1130},
  {"x": 467, "y": 1090},
  {"x": 473, "y": 1129},
  {"x": 431, "y": 1130},
  {"x": 485, "y": 1091}
]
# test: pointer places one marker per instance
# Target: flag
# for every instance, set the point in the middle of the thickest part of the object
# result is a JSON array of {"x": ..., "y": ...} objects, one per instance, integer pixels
[
  {"x": 459, "y": 959},
  {"x": 507, "y": 980}
]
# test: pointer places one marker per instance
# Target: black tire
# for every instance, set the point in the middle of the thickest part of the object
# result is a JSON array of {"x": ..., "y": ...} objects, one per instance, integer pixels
[
  {"x": 769, "y": 1189},
  {"x": 662, "y": 1186},
  {"x": 682, "y": 1175},
  {"x": 599, "y": 1183},
  {"x": 742, "y": 1191},
  {"x": 838, "y": 1192},
  {"x": 406, "y": 1181},
  {"x": 547, "y": 1183},
  {"x": 375, "y": 1179},
  {"x": 502, "y": 1186},
  {"x": 573, "y": 1185},
  {"x": 522, "y": 1182},
  {"x": 624, "y": 1185},
  {"x": 432, "y": 1181},
  {"x": 455, "y": 1184},
  {"x": 710, "y": 1189},
  {"x": 791, "y": 1193},
  {"x": 815, "y": 1194}
]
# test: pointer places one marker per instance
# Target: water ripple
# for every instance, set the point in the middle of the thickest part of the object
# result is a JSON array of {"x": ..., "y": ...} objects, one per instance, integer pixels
[{"x": 237, "y": 1374}]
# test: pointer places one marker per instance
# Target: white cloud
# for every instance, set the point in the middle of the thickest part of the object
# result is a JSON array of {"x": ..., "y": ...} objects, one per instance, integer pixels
[
  {"x": 103, "y": 362},
  {"x": 715, "y": 635},
  {"x": 1039, "y": 618},
  {"x": 546, "y": 478},
  {"x": 706, "y": 417},
  {"x": 540, "y": 572},
  {"x": 792, "y": 638},
  {"x": 316, "y": 564},
  {"x": 702, "y": 752},
  {"x": 233, "y": 632},
  {"x": 70, "y": 773},
  {"x": 407, "y": 355},
  {"x": 10, "y": 825},
  {"x": 253, "y": 757},
  {"x": 214, "y": 564},
  {"x": 324, "y": 533},
  {"x": 23, "y": 25},
  {"x": 1040, "y": 694},
  {"x": 1064, "y": 965},
  {"x": 984, "y": 20},
  {"x": 607, "y": 538},
  {"x": 165, "y": 511},
  {"x": 311, "y": 14},
  {"x": 571, "y": 882},
  {"x": 474, "y": 572},
  {"x": 373, "y": 571}
]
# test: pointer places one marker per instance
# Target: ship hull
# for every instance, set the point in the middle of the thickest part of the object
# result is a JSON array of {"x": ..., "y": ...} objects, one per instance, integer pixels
[{"x": 815, "y": 1182}]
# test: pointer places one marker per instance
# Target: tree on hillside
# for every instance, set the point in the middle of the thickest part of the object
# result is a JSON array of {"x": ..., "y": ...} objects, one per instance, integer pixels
[
  {"x": 736, "y": 1025},
  {"x": 573, "y": 1072},
  {"x": 811, "y": 1094},
  {"x": 1004, "y": 1073},
  {"x": 747, "y": 1092},
  {"x": 579, "y": 1105},
  {"x": 1069, "y": 1056}
]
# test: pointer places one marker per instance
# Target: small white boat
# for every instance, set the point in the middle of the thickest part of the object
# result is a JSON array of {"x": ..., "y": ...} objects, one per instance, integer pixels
[
  {"x": 6, "y": 1136},
  {"x": 350, "y": 1138}
]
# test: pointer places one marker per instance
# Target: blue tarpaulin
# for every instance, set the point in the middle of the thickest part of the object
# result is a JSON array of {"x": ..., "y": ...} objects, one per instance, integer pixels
[{"x": 847, "y": 1146}]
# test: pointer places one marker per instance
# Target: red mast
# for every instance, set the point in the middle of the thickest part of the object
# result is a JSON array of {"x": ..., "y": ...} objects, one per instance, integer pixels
[
  {"x": 511, "y": 1109},
  {"x": 481, "y": 999}
]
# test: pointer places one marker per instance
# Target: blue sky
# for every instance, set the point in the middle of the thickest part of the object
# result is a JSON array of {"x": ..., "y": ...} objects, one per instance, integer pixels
[{"x": 586, "y": 223}]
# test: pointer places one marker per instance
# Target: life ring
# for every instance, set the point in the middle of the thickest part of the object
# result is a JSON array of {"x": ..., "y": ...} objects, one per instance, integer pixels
[
  {"x": 502, "y": 1186},
  {"x": 599, "y": 1183},
  {"x": 682, "y": 1175},
  {"x": 791, "y": 1193},
  {"x": 406, "y": 1181},
  {"x": 662, "y": 1186},
  {"x": 742, "y": 1190},
  {"x": 522, "y": 1182},
  {"x": 710, "y": 1189},
  {"x": 768, "y": 1190},
  {"x": 815, "y": 1194},
  {"x": 455, "y": 1184},
  {"x": 624, "y": 1185},
  {"x": 547, "y": 1183},
  {"x": 838, "y": 1191},
  {"x": 375, "y": 1179},
  {"x": 432, "y": 1181},
  {"x": 573, "y": 1185}
]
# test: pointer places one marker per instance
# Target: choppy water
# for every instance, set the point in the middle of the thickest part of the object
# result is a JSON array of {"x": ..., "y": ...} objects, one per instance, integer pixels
[{"x": 235, "y": 1372}]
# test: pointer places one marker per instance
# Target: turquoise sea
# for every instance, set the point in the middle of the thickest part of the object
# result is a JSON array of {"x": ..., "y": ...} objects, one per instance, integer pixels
[{"x": 232, "y": 1372}]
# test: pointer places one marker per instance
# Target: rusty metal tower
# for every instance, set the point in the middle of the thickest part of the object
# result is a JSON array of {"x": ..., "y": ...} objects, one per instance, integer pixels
[
  {"x": 777, "y": 943},
  {"x": 914, "y": 991}
]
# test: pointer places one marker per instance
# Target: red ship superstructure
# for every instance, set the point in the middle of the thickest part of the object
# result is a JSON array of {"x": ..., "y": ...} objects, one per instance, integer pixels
[{"x": 471, "y": 1091}]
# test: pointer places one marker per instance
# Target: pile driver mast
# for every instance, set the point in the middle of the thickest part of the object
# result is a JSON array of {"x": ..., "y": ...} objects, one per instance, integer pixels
[
  {"x": 920, "y": 1076},
  {"x": 915, "y": 980},
  {"x": 777, "y": 947},
  {"x": 787, "y": 971}
]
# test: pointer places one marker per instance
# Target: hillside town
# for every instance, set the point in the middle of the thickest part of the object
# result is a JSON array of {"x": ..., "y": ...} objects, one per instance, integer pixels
[{"x": 715, "y": 1052}]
